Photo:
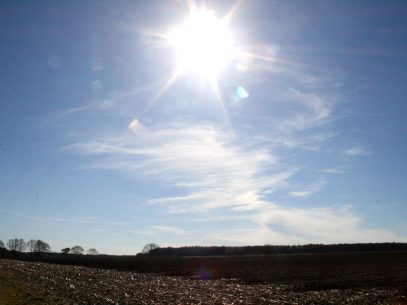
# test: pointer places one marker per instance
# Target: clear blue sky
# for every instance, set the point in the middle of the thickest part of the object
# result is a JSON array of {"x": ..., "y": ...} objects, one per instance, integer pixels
[{"x": 310, "y": 146}]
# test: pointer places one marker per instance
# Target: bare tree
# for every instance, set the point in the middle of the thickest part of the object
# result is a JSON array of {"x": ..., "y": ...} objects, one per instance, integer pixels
[
  {"x": 1, "y": 244},
  {"x": 16, "y": 244},
  {"x": 42, "y": 246},
  {"x": 77, "y": 250},
  {"x": 31, "y": 245},
  {"x": 65, "y": 250},
  {"x": 148, "y": 247},
  {"x": 92, "y": 251}
]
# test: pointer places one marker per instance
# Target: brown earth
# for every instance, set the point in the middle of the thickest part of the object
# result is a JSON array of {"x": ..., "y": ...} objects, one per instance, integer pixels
[{"x": 41, "y": 283}]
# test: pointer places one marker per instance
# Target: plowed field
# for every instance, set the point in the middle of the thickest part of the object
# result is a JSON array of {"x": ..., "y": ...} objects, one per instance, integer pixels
[{"x": 41, "y": 283}]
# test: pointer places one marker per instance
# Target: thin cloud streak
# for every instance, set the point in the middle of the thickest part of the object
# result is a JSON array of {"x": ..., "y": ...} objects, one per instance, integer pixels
[
  {"x": 168, "y": 229},
  {"x": 110, "y": 102},
  {"x": 357, "y": 150},
  {"x": 333, "y": 170},
  {"x": 313, "y": 110},
  {"x": 309, "y": 190}
]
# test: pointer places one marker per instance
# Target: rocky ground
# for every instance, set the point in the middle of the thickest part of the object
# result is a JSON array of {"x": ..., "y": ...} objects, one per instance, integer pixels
[{"x": 59, "y": 284}]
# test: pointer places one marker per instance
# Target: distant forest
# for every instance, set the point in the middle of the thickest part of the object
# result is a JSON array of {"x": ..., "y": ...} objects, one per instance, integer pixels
[
  {"x": 274, "y": 249},
  {"x": 153, "y": 250},
  {"x": 180, "y": 261}
]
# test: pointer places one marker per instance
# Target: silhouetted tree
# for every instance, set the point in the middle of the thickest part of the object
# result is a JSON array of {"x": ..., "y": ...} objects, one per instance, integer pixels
[
  {"x": 77, "y": 250},
  {"x": 148, "y": 247},
  {"x": 92, "y": 251},
  {"x": 31, "y": 245},
  {"x": 65, "y": 250},
  {"x": 1, "y": 244},
  {"x": 16, "y": 244},
  {"x": 42, "y": 246}
]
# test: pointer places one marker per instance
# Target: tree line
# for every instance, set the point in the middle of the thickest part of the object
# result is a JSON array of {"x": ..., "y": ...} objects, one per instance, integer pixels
[
  {"x": 39, "y": 246},
  {"x": 273, "y": 249},
  {"x": 154, "y": 250}
]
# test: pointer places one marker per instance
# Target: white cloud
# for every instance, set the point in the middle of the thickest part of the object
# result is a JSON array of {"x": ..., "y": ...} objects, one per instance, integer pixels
[
  {"x": 310, "y": 142},
  {"x": 279, "y": 225},
  {"x": 332, "y": 170},
  {"x": 357, "y": 150},
  {"x": 295, "y": 91},
  {"x": 309, "y": 190},
  {"x": 167, "y": 229},
  {"x": 312, "y": 110}
]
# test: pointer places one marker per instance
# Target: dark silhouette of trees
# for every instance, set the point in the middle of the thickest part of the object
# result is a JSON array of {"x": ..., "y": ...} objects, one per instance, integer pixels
[
  {"x": 76, "y": 250},
  {"x": 31, "y": 245},
  {"x": 92, "y": 251},
  {"x": 16, "y": 244},
  {"x": 41, "y": 247},
  {"x": 65, "y": 250},
  {"x": 149, "y": 247},
  {"x": 38, "y": 246},
  {"x": 1, "y": 244},
  {"x": 274, "y": 249}
]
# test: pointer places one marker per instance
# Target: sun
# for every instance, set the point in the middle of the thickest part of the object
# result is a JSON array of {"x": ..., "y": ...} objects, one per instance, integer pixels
[{"x": 203, "y": 44}]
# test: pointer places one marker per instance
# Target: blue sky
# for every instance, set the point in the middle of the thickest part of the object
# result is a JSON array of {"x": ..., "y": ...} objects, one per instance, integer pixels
[{"x": 307, "y": 146}]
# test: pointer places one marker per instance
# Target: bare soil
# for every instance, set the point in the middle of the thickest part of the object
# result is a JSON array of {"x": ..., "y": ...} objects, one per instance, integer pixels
[{"x": 41, "y": 283}]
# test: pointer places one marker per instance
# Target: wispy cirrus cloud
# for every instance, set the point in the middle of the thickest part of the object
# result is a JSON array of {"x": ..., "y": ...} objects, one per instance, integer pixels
[
  {"x": 212, "y": 171},
  {"x": 111, "y": 101},
  {"x": 168, "y": 229},
  {"x": 216, "y": 172},
  {"x": 283, "y": 225},
  {"x": 357, "y": 150},
  {"x": 309, "y": 189},
  {"x": 306, "y": 124},
  {"x": 204, "y": 163},
  {"x": 155, "y": 230},
  {"x": 333, "y": 170},
  {"x": 313, "y": 110}
]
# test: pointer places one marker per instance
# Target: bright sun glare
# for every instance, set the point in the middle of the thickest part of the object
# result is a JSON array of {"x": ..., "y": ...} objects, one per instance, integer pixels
[{"x": 203, "y": 44}]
